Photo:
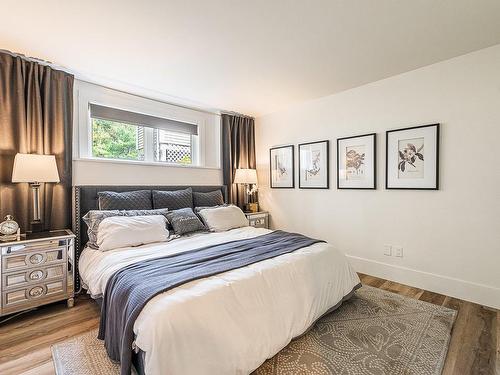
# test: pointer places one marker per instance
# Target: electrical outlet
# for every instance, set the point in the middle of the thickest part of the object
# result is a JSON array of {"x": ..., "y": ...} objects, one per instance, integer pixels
[
  {"x": 398, "y": 251},
  {"x": 388, "y": 250}
]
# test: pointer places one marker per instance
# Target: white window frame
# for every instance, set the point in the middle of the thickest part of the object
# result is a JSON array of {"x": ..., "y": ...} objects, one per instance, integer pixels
[{"x": 205, "y": 146}]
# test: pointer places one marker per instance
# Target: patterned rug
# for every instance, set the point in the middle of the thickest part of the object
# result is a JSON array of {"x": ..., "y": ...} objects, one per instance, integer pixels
[{"x": 375, "y": 332}]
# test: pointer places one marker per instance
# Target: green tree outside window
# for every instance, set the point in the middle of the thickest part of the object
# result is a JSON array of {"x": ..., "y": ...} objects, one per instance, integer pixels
[{"x": 115, "y": 140}]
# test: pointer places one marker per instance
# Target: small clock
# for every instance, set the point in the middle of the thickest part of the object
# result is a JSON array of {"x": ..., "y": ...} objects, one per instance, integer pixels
[{"x": 9, "y": 228}]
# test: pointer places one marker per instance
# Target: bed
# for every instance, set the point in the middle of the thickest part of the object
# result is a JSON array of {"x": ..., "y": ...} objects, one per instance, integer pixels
[{"x": 227, "y": 323}]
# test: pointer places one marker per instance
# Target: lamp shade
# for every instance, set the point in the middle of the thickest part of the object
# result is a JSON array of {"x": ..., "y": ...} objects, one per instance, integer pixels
[
  {"x": 35, "y": 168},
  {"x": 245, "y": 176}
]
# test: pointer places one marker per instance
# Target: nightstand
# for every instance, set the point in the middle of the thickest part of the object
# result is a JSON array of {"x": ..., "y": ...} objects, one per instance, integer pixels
[
  {"x": 258, "y": 219},
  {"x": 36, "y": 270}
]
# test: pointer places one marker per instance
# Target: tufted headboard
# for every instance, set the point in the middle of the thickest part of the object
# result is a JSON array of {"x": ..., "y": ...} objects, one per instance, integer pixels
[{"x": 85, "y": 198}]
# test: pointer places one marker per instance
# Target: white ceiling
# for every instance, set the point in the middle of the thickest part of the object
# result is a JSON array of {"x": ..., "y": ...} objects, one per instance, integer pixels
[{"x": 250, "y": 56}]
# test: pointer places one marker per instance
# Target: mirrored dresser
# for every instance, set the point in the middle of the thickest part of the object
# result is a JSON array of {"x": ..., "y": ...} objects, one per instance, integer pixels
[{"x": 36, "y": 270}]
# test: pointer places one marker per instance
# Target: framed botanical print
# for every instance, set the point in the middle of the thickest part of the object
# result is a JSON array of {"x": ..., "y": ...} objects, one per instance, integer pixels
[
  {"x": 314, "y": 165},
  {"x": 412, "y": 158},
  {"x": 282, "y": 167},
  {"x": 356, "y": 162}
]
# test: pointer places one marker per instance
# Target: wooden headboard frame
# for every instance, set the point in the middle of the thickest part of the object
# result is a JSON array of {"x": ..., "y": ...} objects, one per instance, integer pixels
[{"x": 85, "y": 198}]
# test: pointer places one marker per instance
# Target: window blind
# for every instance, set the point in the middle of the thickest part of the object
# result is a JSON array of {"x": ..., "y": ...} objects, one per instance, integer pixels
[{"x": 120, "y": 115}]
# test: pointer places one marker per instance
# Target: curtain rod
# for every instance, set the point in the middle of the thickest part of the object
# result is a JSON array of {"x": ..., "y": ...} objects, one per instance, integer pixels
[
  {"x": 38, "y": 60},
  {"x": 232, "y": 113},
  {"x": 217, "y": 112},
  {"x": 145, "y": 96},
  {"x": 95, "y": 82}
]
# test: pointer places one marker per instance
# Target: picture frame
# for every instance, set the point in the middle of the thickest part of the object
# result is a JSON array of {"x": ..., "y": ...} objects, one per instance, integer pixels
[
  {"x": 314, "y": 165},
  {"x": 412, "y": 158},
  {"x": 282, "y": 167},
  {"x": 357, "y": 162}
]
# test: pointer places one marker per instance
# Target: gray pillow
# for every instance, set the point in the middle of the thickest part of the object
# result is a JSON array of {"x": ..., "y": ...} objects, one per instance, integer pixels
[
  {"x": 94, "y": 217},
  {"x": 173, "y": 200},
  {"x": 184, "y": 221},
  {"x": 210, "y": 199},
  {"x": 128, "y": 200}
]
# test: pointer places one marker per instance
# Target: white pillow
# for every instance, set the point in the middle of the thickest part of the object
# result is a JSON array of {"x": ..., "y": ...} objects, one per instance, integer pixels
[
  {"x": 124, "y": 231},
  {"x": 219, "y": 219}
]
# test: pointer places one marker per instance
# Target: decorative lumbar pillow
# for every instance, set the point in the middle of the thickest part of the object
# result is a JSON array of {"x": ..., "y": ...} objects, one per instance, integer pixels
[
  {"x": 94, "y": 217},
  {"x": 210, "y": 199},
  {"x": 173, "y": 200},
  {"x": 184, "y": 221},
  {"x": 129, "y": 200},
  {"x": 219, "y": 219},
  {"x": 125, "y": 231}
]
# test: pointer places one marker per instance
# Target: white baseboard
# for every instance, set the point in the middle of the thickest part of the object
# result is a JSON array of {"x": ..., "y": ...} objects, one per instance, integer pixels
[{"x": 478, "y": 293}]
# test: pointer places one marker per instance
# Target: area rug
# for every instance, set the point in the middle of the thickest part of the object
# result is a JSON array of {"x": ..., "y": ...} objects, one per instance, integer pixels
[{"x": 375, "y": 332}]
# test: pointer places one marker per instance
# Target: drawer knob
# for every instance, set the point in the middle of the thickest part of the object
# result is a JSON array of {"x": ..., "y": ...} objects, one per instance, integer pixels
[
  {"x": 36, "y": 258},
  {"x": 37, "y": 291},
  {"x": 36, "y": 275}
]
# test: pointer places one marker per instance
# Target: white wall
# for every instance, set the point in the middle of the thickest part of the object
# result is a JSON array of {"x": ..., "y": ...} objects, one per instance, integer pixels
[
  {"x": 101, "y": 172},
  {"x": 86, "y": 172},
  {"x": 451, "y": 237}
]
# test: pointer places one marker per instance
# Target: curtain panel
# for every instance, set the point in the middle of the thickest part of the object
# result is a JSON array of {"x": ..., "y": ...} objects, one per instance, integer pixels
[
  {"x": 36, "y": 116},
  {"x": 238, "y": 151}
]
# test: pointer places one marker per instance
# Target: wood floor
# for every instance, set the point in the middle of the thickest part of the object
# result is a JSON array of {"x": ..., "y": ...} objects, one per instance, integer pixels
[{"x": 25, "y": 340}]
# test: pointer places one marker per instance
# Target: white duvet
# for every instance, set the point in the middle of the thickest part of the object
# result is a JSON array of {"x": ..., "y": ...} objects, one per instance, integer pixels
[{"x": 232, "y": 322}]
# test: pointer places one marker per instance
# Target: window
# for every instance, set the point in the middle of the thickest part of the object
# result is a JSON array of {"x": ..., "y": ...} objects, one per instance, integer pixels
[
  {"x": 117, "y": 127},
  {"x": 172, "y": 147},
  {"x": 124, "y": 135},
  {"x": 117, "y": 140}
]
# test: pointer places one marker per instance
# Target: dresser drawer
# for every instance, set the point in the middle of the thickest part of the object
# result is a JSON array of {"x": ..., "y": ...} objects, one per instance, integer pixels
[
  {"x": 22, "y": 260},
  {"x": 32, "y": 294},
  {"x": 33, "y": 275},
  {"x": 42, "y": 244}
]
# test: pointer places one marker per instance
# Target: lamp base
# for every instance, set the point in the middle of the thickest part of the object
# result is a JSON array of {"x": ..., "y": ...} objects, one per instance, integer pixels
[
  {"x": 36, "y": 227},
  {"x": 252, "y": 207},
  {"x": 36, "y": 223}
]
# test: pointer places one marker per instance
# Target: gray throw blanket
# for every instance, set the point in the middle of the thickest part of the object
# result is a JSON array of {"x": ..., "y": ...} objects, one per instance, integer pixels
[{"x": 130, "y": 288}]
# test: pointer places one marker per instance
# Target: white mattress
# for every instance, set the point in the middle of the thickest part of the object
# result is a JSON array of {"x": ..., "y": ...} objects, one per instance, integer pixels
[{"x": 232, "y": 322}]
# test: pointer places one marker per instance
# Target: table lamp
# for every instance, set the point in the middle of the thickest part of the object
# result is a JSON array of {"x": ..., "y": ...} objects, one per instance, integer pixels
[
  {"x": 34, "y": 169},
  {"x": 248, "y": 177}
]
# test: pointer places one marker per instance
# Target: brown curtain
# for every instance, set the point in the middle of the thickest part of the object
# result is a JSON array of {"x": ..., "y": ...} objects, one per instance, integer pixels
[
  {"x": 36, "y": 116},
  {"x": 238, "y": 151}
]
